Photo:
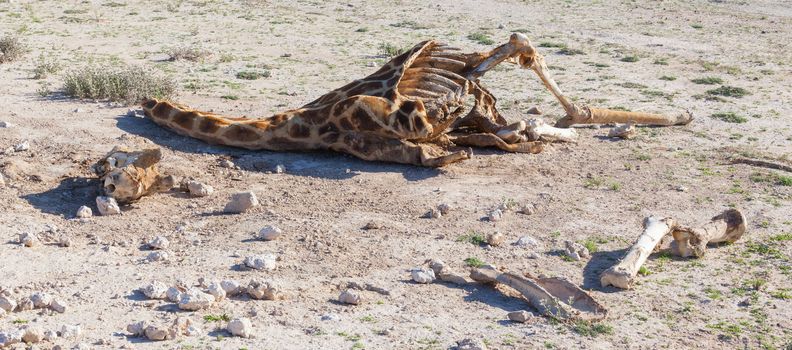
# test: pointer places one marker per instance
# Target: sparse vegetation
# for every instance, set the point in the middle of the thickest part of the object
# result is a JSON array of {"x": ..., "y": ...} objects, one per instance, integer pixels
[
  {"x": 390, "y": 50},
  {"x": 253, "y": 75},
  {"x": 591, "y": 329},
  {"x": 11, "y": 49},
  {"x": 729, "y": 117},
  {"x": 668, "y": 78},
  {"x": 44, "y": 67},
  {"x": 217, "y": 318},
  {"x": 481, "y": 38},
  {"x": 474, "y": 262},
  {"x": 126, "y": 84},
  {"x": 187, "y": 53},
  {"x": 707, "y": 81},
  {"x": 631, "y": 58},
  {"x": 728, "y": 91},
  {"x": 472, "y": 237}
]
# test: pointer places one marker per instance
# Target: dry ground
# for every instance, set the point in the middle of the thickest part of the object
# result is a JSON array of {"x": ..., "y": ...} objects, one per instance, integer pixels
[{"x": 597, "y": 191}]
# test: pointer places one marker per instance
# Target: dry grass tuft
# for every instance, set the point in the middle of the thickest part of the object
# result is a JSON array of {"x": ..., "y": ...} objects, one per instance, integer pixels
[
  {"x": 11, "y": 49},
  {"x": 186, "y": 53},
  {"x": 119, "y": 84}
]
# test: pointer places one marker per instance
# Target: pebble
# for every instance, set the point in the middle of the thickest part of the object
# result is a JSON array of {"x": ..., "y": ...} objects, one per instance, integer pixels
[
  {"x": 330, "y": 317},
  {"x": 240, "y": 202},
  {"x": 471, "y": 344},
  {"x": 280, "y": 169},
  {"x": 225, "y": 163},
  {"x": 534, "y": 110},
  {"x": 576, "y": 251},
  {"x": 50, "y": 335},
  {"x": 107, "y": 206},
  {"x": 269, "y": 233},
  {"x": 216, "y": 291},
  {"x": 230, "y": 287},
  {"x": 159, "y": 243},
  {"x": 29, "y": 239},
  {"x": 422, "y": 275},
  {"x": 2, "y": 181},
  {"x": 527, "y": 242},
  {"x": 528, "y": 209},
  {"x": 495, "y": 239},
  {"x": 58, "y": 305},
  {"x": 193, "y": 331},
  {"x": 240, "y": 327},
  {"x": 195, "y": 299},
  {"x": 263, "y": 290},
  {"x": 69, "y": 331},
  {"x": 137, "y": 328},
  {"x": 434, "y": 213},
  {"x": 10, "y": 338},
  {"x": 24, "y": 146},
  {"x": 156, "y": 333},
  {"x": 41, "y": 300},
  {"x": 25, "y": 304},
  {"x": 84, "y": 212},
  {"x": 349, "y": 296},
  {"x": 521, "y": 316},
  {"x": 33, "y": 335},
  {"x": 265, "y": 261},
  {"x": 681, "y": 188},
  {"x": 4, "y": 124},
  {"x": 495, "y": 215},
  {"x": 155, "y": 290},
  {"x": 64, "y": 241},
  {"x": 444, "y": 209},
  {"x": 159, "y": 255},
  {"x": 199, "y": 189},
  {"x": 7, "y": 303},
  {"x": 173, "y": 294}
]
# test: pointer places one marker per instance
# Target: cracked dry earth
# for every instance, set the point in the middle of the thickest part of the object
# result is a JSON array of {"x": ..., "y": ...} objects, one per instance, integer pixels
[{"x": 635, "y": 55}]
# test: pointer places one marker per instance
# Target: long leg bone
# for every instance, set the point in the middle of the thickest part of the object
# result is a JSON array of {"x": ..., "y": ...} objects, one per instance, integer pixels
[
  {"x": 539, "y": 130},
  {"x": 728, "y": 226},
  {"x": 587, "y": 115},
  {"x": 622, "y": 275}
]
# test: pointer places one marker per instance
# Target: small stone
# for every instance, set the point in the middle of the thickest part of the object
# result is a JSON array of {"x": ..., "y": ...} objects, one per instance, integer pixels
[
  {"x": 107, "y": 206},
  {"x": 24, "y": 146},
  {"x": 681, "y": 188},
  {"x": 528, "y": 209},
  {"x": 180, "y": 325},
  {"x": 225, "y": 163},
  {"x": 41, "y": 300},
  {"x": 216, "y": 291},
  {"x": 495, "y": 239},
  {"x": 29, "y": 239},
  {"x": 240, "y": 327},
  {"x": 64, "y": 241},
  {"x": 521, "y": 316},
  {"x": 241, "y": 202},
  {"x": 470, "y": 344},
  {"x": 173, "y": 294},
  {"x": 159, "y": 243},
  {"x": 280, "y": 169},
  {"x": 195, "y": 299},
  {"x": 444, "y": 209},
  {"x": 69, "y": 331},
  {"x": 10, "y": 338},
  {"x": 78, "y": 110},
  {"x": 434, "y": 213},
  {"x": 330, "y": 317},
  {"x": 50, "y": 335},
  {"x": 625, "y": 131},
  {"x": 7, "y": 303},
  {"x": 2, "y": 313},
  {"x": 261, "y": 262},
  {"x": 422, "y": 275},
  {"x": 372, "y": 225},
  {"x": 84, "y": 212},
  {"x": 198, "y": 189},
  {"x": 193, "y": 331},
  {"x": 4, "y": 124},
  {"x": 155, "y": 290},
  {"x": 25, "y": 304},
  {"x": 349, "y": 296},
  {"x": 137, "y": 328},
  {"x": 33, "y": 335},
  {"x": 495, "y": 215},
  {"x": 156, "y": 333},
  {"x": 527, "y": 242},
  {"x": 576, "y": 251},
  {"x": 230, "y": 287},
  {"x": 269, "y": 233},
  {"x": 264, "y": 290},
  {"x": 2, "y": 181},
  {"x": 58, "y": 305},
  {"x": 159, "y": 255},
  {"x": 534, "y": 110}
]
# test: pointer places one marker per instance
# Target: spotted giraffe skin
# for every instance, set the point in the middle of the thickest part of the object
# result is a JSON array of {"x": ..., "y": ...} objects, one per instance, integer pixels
[{"x": 413, "y": 110}]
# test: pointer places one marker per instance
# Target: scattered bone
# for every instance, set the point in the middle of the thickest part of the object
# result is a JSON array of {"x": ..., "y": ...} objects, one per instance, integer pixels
[
  {"x": 84, "y": 212},
  {"x": 159, "y": 243},
  {"x": 159, "y": 255},
  {"x": 231, "y": 287},
  {"x": 444, "y": 273},
  {"x": 58, "y": 305},
  {"x": 241, "y": 201},
  {"x": 128, "y": 175},
  {"x": 199, "y": 189},
  {"x": 173, "y": 294},
  {"x": 534, "y": 110},
  {"x": 195, "y": 299},
  {"x": 216, "y": 291},
  {"x": 70, "y": 332},
  {"x": 269, "y": 233},
  {"x": 470, "y": 344},
  {"x": 728, "y": 226},
  {"x": 41, "y": 300},
  {"x": 240, "y": 327},
  {"x": 155, "y": 290},
  {"x": 422, "y": 275},
  {"x": 521, "y": 316},
  {"x": 107, "y": 206},
  {"x": 576, "y": 251},
  {"x": 24, "y": 146},
  {"x": 495, "y": 215},
  {"x": 65, "y": 241},
  {"x": 539, "y": 130},
  {"x": 264, "y": 290},
  {"x": 625, "y": 131},
  {"x": 495, "y": 239},
  {"x": 265, "y": 261},
  {"x": 622, "y": 275},
  {"x": 349, "y": 296},
  {"x": 29, "y": 239}
]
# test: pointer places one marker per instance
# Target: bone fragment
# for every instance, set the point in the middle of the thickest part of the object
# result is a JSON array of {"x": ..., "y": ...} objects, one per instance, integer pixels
[
  {"x": 625, "y": 131},
  {"x": 539, "y": 130},
  {"x": 728, "y": 226},
  {"x": 622, "y": 275}
]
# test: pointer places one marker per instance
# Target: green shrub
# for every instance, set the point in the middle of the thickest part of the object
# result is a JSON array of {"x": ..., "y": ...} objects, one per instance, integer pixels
[{"x": 128, "y": 84}]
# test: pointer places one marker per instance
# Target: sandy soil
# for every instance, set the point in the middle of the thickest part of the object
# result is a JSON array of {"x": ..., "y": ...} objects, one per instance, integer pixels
[{"x": 597, "y": 190}]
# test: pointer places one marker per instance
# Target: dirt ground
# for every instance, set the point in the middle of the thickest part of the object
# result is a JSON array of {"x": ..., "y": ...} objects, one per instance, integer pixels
[{"x": 637, "y": 55}]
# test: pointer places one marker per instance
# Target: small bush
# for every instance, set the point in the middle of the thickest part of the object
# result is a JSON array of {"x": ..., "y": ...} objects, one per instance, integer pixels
[
  {"x": 119, "y": 84},
  {"x": 474, "y": 262},
  {"x": 730, "y": 117},
  {"x": 390, "y": 50},
  {"x": 728, "y": 91},
  {"x": 707, "y": 81},
  {"x": 11, "y": 49},
  {"x": 570, "y": 52},
  {"x": 630, "y": 59},
  {"x": 591, "y": 329},
  {"x": 253, "y": 75},
  {"x": 667, "y": 78},
  {"x": 44, "y": 67},
  {"x": 185, "y": 53},
  {"x": 481, "y": 38}
]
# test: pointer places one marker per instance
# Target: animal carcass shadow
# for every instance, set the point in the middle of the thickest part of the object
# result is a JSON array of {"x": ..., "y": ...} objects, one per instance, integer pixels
[
  {"x": 488, "y": 294},
  {"x": 599, "y": 262},
  {"x": 324, "y": 164},
  {"x": 65, "y": 199}
]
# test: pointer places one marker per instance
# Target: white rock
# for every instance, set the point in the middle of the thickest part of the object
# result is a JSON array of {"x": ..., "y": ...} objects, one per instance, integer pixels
[
  {"x": 193, "y": 331},
  {"x": 434, "y": 213},
  {"x": 495, "y": 239},
  {"x": 173, "y": 294},
  {"x": 2, "y": 313},
  {"x": 2, "y": 181},
  {"x": 69, "y": 331},
  {"x": 155, "y": 290},
  {"x": 495, "y": 215},
  {"x": 422, "y": 275},
  {"x": 230, "y": 287},
  {"x": 280, "y": 169},
  {"x": 84, "y": 212},
  {"x": 24, "y": 146},
  {"x": 65, "y": 241},
  {"x": 7, "y": 303},
  {"x": 528, "y": 209},
  {"x": 33, "y": 335},
  {"x": 58, "y": 305},
  {"x": 195, "y": 299},
  {"x": 199, "y": 189},
  {"x": 216, "y": 291},
  {"x": 137, "y": 328},
  {"x": 470, "y": 344},
  {"x": 576, "y": 251},
  {"x": 331, "y": 317},
  {"x": 156, "y": 333},
  {"x": 240, "y": 327},
  {"x": 349, "y": 296},
  {"x": 240, "y": 202},
  {"x": 159, "y": 242},
  {"x": 25, "y": 304},
  {"x": 269, "y": 233},
  {"x": 4, "y": 124},
  {"x": 50, "y": 335},
  {"x": 527, "y": 242},
  {"x": 264, "y": 290},
  {"x": 10, "y": 338},
  {"x": 107, "y": 206},
  {"x": 41, "y": 300},
  {"x": 521, "y": 316},
  {"x": 265, "y": 261},
  {"x": 159, "y": 255},
  {"x": 29, "y": 239}
]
